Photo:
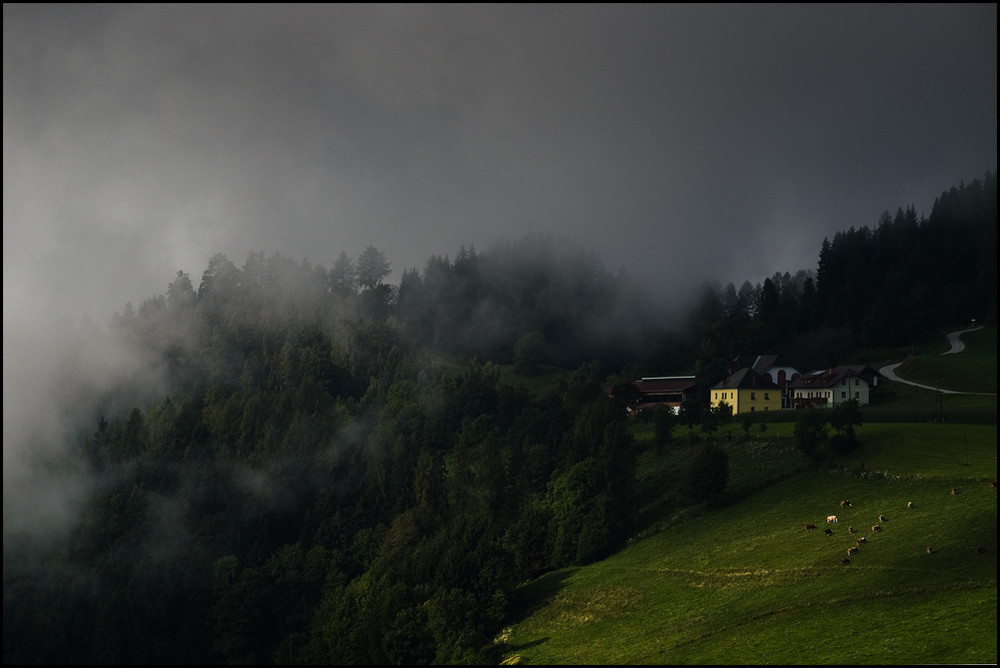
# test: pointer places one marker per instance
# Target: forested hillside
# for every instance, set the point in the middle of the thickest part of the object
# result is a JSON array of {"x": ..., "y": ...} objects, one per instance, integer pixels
[
  {"x": 317, "y": 466},
  {"x": 312, "y": 486}
]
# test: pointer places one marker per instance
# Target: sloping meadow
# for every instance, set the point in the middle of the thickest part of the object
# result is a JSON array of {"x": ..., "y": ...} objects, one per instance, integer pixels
[{"x": 750, "y": 584}]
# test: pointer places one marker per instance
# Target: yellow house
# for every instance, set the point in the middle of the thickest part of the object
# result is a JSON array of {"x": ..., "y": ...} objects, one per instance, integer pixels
[{"x": 747, "y": 391}]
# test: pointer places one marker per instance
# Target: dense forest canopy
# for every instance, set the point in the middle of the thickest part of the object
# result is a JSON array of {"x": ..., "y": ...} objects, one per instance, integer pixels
[{"x": 317, "y": 466}]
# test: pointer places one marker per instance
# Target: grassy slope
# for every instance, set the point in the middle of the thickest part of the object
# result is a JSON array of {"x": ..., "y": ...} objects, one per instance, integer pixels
[
  {"x": 972, "y": 370},
  {"x": 747, "y": 584}
]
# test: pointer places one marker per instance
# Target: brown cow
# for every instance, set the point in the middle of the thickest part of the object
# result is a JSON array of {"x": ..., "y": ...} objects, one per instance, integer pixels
[
  {"x": 909, "y": 504},
  {"x": 851, "y": 550},
  {"x": 850, "y": 529},
  {"x": 881, "y": 518},
  {"x": 810, "y": 527},
  {"x": 862, "y": 540},
  {"x": 845, "y": 561},
  {"x": 876, "y": 528},
  {"x": 845, "y": 503},
  {"x": 828, "y": 532}
]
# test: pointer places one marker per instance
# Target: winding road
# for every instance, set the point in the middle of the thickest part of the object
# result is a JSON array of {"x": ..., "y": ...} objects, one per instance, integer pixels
[{"x": 955, "y": 339}]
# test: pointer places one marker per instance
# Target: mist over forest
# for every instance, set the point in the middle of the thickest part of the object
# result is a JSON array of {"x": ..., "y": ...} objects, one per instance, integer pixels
[{"x": 278, "y": 461}]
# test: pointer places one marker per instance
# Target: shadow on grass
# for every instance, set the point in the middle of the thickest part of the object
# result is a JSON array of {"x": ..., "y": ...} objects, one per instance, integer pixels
[
  {"x": 526, "y": 645},
  {"x": 537, "y": 594}
]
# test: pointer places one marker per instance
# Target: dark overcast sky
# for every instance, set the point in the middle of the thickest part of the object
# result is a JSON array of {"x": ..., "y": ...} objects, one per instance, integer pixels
[{"x": 686, "y": 142}]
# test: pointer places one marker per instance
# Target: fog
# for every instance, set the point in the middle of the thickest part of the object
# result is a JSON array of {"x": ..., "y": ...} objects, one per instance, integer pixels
[{"x": 681, "y": 143}]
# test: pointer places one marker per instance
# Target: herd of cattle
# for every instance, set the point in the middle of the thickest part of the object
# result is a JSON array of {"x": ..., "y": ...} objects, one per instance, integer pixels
[{"x": 846, "y": 503}]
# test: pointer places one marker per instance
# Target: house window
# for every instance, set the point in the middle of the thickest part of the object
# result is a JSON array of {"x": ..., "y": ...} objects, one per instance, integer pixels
[
  {"x": 843, "y": 395},
  {"x": 767, "y": 395},
  {"x": 753, "y": 395},
  {"x": 753, "y": 409}
]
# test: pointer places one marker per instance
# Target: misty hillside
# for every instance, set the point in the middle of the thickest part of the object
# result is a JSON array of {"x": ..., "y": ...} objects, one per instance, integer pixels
[
  {"x": 901, "y": 280},
  {"x": 306, "y": 464}
]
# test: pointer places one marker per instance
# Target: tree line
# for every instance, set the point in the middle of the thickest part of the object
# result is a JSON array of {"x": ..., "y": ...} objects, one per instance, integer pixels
[{"x": 902, "y": 281}]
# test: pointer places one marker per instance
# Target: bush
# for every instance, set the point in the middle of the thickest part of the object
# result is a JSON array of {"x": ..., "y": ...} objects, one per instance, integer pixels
[{"x": 706, "y": 474}]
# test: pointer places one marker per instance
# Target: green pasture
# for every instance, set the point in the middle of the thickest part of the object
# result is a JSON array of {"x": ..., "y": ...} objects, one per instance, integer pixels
[
  {"x": 927, "y": 450},
  {"x": 917, "y": 449},
  {"x": 972, "y": 370},
  {"x": 748, "y": 584},
  {"x": 899, "y": 397}
]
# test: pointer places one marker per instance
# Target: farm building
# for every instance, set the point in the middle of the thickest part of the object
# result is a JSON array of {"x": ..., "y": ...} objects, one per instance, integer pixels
[
  {"x": 747, "y": 391},
  {"x": 829, "y": 388},
  {"x": 782, "y": 369},
  {"x": 671, "y": 391}
]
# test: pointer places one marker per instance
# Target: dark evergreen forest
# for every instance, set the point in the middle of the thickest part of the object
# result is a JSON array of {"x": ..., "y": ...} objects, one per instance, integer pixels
[{"x": 325, "y": 468}]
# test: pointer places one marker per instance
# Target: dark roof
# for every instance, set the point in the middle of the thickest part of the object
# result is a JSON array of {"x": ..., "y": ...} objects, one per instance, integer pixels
[
  {"x": 746, "y": 379},
  {"x": 764, "y": 363},
  {"x": 830, "y": 377},
  {"x": 666, "y": 384},
  {"x": 800, "y": 364}
]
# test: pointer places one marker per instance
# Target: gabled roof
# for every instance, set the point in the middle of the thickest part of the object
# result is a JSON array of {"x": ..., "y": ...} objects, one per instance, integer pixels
[
  {"x": 664, "y": 384},
  {"x": 824, "y": 378},
  {"x": 799, "y": 363},
  {"x": 764, "y": 363},
  {"x": 862, "y": 370},
  {"x": 746, "y": 379}
]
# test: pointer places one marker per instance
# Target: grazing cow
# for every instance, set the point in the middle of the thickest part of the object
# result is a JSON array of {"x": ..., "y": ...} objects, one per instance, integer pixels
[
  {"x": 850, "y": 529},
  {"x": 953, "y": 492},
  {"x": 810, "y": 527},
  {"x": 845, "y": 561},
  {"x": 845, "y": 503},
  {"x": 851, "y": 550},
  {"x": 828, "y": 532},
  {"x": 993, "y": 484},
  {"x": 831, "y": 518},
  {"x": 881, "y": 518},
  {"x": 909, "y": 504},
  {"x": 930, "y": 551},
  {"x": 862, "y": 540},
  {"x": 876, "y": 528}
]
